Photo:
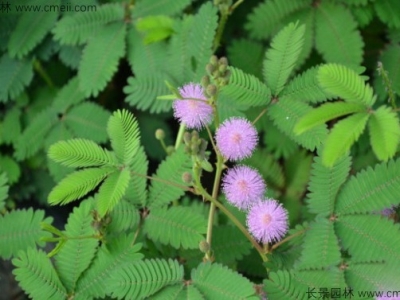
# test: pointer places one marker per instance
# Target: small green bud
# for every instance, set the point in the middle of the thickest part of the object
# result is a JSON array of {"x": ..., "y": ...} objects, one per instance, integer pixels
[
  {"x": 204, "y": 246},
  {"x": 170, "y": 149},
  {"x": 223, "y": 61},
  {"x": 210, "y": 68},
  {"x": 187, "y": 137},
  {"x": 211, "y": 90},
  {"x": 160, "y": 134},
  {"x": 187, "y": 177},
  {"x": 222, "y": 69},
  {"x": 214, "y": 60},
  {"x": 195, "y": 135},
  {"x": 205, "y": 81}
]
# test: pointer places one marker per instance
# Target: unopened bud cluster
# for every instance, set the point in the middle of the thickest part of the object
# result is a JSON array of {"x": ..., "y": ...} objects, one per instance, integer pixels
[
  {"x": 194, "y": 145},
  {"x": 218, "y": 75}
]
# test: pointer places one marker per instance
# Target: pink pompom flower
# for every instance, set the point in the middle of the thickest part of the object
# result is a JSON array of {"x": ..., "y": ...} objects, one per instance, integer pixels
[
  {"x": 243, "y": 186},
  {"x": 267, "y": 221},
  {"x": 236, "y": 138},
  {"x": 193, "y": 109}
]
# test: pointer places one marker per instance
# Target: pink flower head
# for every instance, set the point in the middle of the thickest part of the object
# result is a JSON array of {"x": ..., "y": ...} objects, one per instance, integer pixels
[
  {"x": 267, "y": 221},
  {"x": 236, "y": 138},
  {"x": 243, "y": 186},
  {"x": 193, "y": 110}
]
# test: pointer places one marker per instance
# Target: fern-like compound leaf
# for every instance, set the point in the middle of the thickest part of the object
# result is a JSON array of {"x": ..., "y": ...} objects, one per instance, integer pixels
[
  {"x": 283, "y": 285},
  {"x": 22, "y": 74},
  {"x": 11, "y": 168},
  {"x": 216, "y": 281},
  {"x": 282, "y": 57},
  {"x": 369, "y": 237},
  {"x": 124, "y": 216},
  {"x": 10, "y": 129},
  {"x": 69, "y": 95},
  {"x": 384, "y": 129},
  {"x": 100, "y": 58},
  {"x": 168, "y": 184},
  {"x": 321, "y": 278},
  {"x": 177, "y": 226},
  {"x": 266, "y": 17},
  {"x": 78, "y": 28},
  {"x": 228, "y": 245},
  {"x": 110, "y": 258},
  {"x": 78, "y": 184},
  {"x": 336, "y": 36},
  {"x": 137, "y": 190},
  {"x": 286, "y": 113},
  {"x": 70, "y": 56},
  {"x": 87, "y": 120},
  {"x": 32, "y": 139},
  {"x": 345, "y": 83},
  {"x": 201, "y": 38},
  {"x": 142, "y": 279},
  {"x": 123, "y": 130},
  {"x": 3, "y": 189},
  {"x": 145, "y": 8},
  {"x": 371, "y": 190},
  {"x": 155, "y": 28},
  {"x": 77, "y": 153},
  {"x": 246, "y": 89},
  {"x": 76, "y": 254},
  {"x": 31, "y": 29},
  {"x": 387, "y": 12},
  {"x": 179, "y": 292},
  {"x": 325, "y": 183},
  {"x": 37, "y": 277},
  {"x": 112, "y": 190},
  {"x": 342, "y": 137},
  {"x": 19, "y": 230},
  {"x": 321, "y": 246},
  {"x": 325, "y": 113}
]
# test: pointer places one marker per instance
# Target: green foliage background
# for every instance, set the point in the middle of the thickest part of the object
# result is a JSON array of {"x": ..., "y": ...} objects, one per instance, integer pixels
[{"x": 78, "y": 92}]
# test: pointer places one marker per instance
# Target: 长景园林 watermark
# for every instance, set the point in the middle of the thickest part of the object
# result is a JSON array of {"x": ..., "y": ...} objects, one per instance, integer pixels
[
  {"x": 7, "y": 7},
  {"x": 349, "y": 293}
]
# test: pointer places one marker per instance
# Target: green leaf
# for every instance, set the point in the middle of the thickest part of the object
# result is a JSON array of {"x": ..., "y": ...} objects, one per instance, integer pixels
[
  {"x": 266, "y": 17},
  {"x": 384, "y": 129},
  {"x": 100, "y": 58},
  {"x": 70, "y": 56},
  {"x": 283, "y": 285},
  {"x": 37, "y": 277},
  {"x": 77, "y": 253},
  {"x": 286, "y": 113},
  {"x": 117, "y": 253},
  {"x": 142, "y": 279},
  {"x": 124, "y": 216},
  {"x": 371, "y": 190},
  {"x": 145, "y": 8},
  {"x": 325, "y": 113},
  {"x": 111, "y": 191},
  {"x": 78, "y": 184},
  {"x": 216, "y": 281},
  {"x": 155, "y": 28},
  {"x": 87, "y": 120},
  {"x": 19, "y": 230},
  {"x": 79, "y": 27},
  {"x": 3, "y": 189},
  {"x": 137, "y": 189},
  {"x": 168, "y": 184},
  {"x": 305, "y": 87},
  {"x": 320, "y": 246},
  {"x": 369, "y": 237},
  {"x": 177, "y": 226},
  {"x": 201, "y": 38},
  {"x": 31, "y": 29},
  {"x": 325, "y": 183},
  {"x": 21, "y": 72},
  {"x": 387, "y": 12},
  {"x": 336, "y": 35},
  {"x": 77, "y": 153},
  {"x": 68, "y": 95},
  {"x": 123, "y": 130},
  {"x": 11, "y": 168},
  {"x": 282, "y": 56},
  {"x": 32, "y": 139},
  {"x": 345, "y": 83},
  {"x": 342, "y": 137},
  {"x": 246, "y": 90},
  {"x": 10, "y": 128}
]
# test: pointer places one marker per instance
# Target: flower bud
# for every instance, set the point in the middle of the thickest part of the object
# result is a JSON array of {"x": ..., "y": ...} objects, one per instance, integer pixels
[
  {"x": 170, "y": 150},
  {"x": 214, "y": 60},
  {"x": 160, "y": 134},
  {"x": 187, "y": 137},
  {"x": 210, "y": 69},
  {"x": 205, "y": 81},
  {"x": 204, "y": 246},
  {"x": 223, "y": 61},
  {"x": 211, "y": 90}
]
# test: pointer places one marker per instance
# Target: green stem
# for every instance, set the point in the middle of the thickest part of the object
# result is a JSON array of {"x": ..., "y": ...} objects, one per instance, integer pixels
[
  {"x": 234, "y": 6},
  {"x": 179, "y": 136},
  {"x": 39, "y": 68},
  {"x": 220, "y": 30}
]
